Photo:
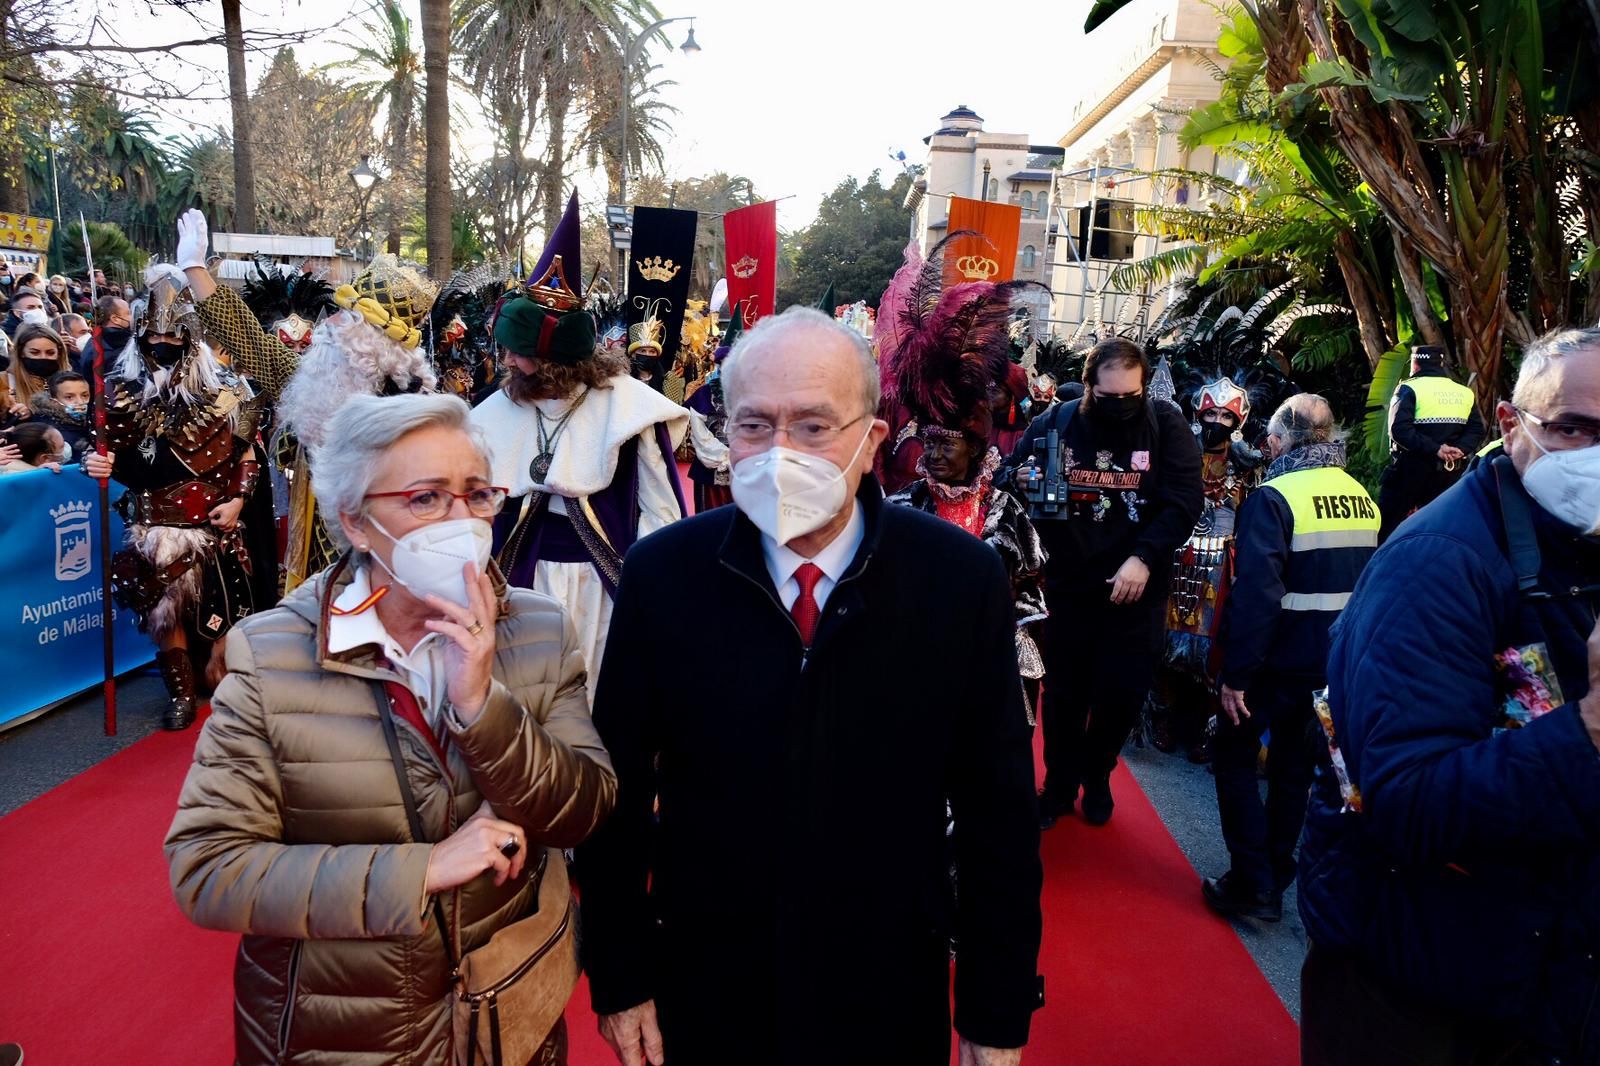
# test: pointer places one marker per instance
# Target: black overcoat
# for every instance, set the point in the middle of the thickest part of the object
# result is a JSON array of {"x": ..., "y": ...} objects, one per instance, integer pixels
[{"x": 792, "y": 902}]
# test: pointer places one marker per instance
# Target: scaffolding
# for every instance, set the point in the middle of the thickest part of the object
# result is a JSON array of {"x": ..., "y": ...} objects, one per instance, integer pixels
[{"x": 1131, "y": 308}]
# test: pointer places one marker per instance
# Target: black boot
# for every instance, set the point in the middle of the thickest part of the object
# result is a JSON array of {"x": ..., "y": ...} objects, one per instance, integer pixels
[
  {"x": 178, "y": 673},
  {"x": 1097, "y": 801},
  {"x": 1231, "y": 899},
  {"x": 1054, "y": 805}
]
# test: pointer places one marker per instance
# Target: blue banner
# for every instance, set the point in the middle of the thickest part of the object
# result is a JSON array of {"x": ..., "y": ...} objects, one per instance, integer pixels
[{"x": 51, "y": 610}]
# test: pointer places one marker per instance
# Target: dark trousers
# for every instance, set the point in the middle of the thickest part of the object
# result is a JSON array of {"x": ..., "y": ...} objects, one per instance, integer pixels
[
  {"x": 1349, "y": 1018},
  {"x": 1261, "y": 837},
  {"x": 1099, "y": 660},
  {"x": 1411, "y": 482}
]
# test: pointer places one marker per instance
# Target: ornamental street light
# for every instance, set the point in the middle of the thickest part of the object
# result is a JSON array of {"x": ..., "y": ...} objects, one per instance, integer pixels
[{"x": 365, "y": 179}]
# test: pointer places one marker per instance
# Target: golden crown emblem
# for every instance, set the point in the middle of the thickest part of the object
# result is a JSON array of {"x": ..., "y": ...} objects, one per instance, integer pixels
[
  {"x": 657, "y": 269},
  {"x": 977, "y": 267},
  {"x": 746, "y": 267}
]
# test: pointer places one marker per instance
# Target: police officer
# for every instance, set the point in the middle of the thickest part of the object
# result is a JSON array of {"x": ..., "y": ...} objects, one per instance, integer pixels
[
  {"x": 1433, "y": 428},
  {"x": 1303, "y": 538}
]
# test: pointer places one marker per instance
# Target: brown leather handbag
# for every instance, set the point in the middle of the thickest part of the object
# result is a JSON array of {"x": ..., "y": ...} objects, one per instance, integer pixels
[{"x": 508, "y": 994}]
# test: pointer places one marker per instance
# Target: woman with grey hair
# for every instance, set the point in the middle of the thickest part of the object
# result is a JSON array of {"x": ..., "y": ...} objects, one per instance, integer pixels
[{"x": 395, "y": 758}]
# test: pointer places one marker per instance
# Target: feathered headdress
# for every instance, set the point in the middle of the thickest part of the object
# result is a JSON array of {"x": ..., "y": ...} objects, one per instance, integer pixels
[
  {"x": 288, "y": 303},
  {"x": 940, "y": 349}
]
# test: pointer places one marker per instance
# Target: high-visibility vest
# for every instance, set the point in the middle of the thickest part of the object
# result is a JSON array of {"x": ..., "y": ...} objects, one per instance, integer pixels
[
  {"x": 1440, "y": 401},
  {"x": 1335, "y": 533}
]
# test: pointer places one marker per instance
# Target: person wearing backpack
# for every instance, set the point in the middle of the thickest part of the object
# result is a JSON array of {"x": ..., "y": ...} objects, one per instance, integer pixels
[{"x": 1131, "y": 473}]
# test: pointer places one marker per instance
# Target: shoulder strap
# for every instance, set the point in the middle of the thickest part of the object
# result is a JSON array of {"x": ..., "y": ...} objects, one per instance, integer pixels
[
  {"x": 413, "y": 819},
  {"x": 1522, "y": 545}
]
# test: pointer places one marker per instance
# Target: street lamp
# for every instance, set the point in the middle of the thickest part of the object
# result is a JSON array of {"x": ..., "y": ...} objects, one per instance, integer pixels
[{"x": 364, "y": 179}]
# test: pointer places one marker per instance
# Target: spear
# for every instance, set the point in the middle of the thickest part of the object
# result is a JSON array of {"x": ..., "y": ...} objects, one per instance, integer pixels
[{"x": 105, "y": 491}]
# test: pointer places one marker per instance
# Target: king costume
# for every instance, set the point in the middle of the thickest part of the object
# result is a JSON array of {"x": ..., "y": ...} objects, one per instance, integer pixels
[
  {"x": 181, "y": 431},
  {"x": 590, "y": 470}
]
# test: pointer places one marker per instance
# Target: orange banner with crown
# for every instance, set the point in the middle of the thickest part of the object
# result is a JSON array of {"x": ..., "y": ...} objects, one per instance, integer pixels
[{"x": 989, "y": 253}]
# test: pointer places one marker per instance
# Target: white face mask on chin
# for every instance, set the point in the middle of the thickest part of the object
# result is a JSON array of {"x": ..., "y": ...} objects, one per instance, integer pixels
[
  {"x": 1567, "y": 484},
  {"x": 788, "y": 494},
  {"x": 430, "y": 559}
]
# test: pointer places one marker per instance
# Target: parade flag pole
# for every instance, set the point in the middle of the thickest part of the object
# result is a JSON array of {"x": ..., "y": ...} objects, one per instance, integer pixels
[{"x": 105, "y": 491}]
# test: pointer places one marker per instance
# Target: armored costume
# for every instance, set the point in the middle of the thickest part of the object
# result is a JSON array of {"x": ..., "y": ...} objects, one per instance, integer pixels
[
  {"x": 368, "y": 343},
  {"x": 181, "y": 427},
  {"x": 1202, "y": 568}
]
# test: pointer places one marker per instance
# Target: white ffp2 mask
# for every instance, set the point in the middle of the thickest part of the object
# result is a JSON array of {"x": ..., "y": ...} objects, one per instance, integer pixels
[
  {"x": 430, "y": 559},
  {"x": 1567, "y": 484},
  {"x": 788, "y": 494}
]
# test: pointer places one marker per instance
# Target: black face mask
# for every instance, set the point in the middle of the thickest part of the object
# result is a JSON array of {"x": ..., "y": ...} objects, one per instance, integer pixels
[
  {"x": 40, "y": 368},
  {"x": 1118, "y": 408},
  {"x": 164, "y": 354},
  {"x": 1214, "y": 435},
  {"x": 115, "y": 338}
]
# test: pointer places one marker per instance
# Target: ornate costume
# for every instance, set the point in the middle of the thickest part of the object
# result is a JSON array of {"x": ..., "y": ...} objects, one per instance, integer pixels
[
  {"x": 1203, "y": 566},
  {"x": 369, "y": 343},
  {"x": 709, "y": 468},
  {"x": 181, "y": 427},
  {"x": 590, "y": 469},
  {"x": 943, "y": 364},
  {"x": 458, "y": 335}
]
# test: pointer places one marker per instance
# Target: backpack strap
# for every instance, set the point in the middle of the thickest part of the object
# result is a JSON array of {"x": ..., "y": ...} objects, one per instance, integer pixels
[{"x": 1516, "y": 514}]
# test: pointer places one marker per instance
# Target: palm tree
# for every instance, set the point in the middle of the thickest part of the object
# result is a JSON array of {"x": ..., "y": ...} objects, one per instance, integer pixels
[
  {"x": 648, "y": 128},
  {"x": 545, "y": 61},
  {"x": 386, "y": 58},
  {"x": 244, "y": 161},
  {"x": 202, "y": 175},
  {"x": 436, "y": 116}
]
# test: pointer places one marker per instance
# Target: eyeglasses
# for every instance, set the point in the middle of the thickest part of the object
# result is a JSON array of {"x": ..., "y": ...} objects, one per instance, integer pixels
[
  {"x": 433, "y": 504},
  {"x": 1569, "y": 435},
  {"x": 810, "y": 433}
]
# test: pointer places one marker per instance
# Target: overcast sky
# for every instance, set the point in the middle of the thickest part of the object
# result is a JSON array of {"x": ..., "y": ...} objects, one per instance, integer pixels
[{"x": 793, "y": 96}]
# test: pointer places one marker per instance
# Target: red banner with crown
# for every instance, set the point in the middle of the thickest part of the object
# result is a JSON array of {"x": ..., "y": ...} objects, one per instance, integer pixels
[
  {"x": 752, "y": 247},
  {"x": 990, "y": 252}
]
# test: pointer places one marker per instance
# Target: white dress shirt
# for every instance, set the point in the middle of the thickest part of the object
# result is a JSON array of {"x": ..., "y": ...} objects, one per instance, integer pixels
[
  {"x": 832, "y": 560},
  {"x": 422, "y": 667}
]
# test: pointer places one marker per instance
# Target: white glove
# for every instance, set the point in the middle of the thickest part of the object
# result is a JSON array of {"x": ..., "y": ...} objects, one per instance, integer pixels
[{"x": 193, "y": 236}]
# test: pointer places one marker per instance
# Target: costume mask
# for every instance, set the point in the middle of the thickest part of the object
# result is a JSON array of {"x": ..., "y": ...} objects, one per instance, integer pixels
[
  {"x": 1567, "y": 484},
  {"x": 165, "y": 354},
  {"x": 430, "y": 559},
  {"x": 787, "y": 493}
]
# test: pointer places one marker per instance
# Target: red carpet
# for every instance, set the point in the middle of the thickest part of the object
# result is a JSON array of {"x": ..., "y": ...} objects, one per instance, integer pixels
[{"x": 98, "y": 966}]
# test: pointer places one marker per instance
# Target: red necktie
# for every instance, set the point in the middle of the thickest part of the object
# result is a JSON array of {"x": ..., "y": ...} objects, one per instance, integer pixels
[{"x": 805, "y": 611}]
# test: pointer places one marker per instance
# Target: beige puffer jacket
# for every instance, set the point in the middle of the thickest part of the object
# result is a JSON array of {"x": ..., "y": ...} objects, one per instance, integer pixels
[{"x": 290, "y": 827}]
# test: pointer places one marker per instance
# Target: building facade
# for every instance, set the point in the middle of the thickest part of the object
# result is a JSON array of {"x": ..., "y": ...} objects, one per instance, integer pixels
[
  {"x": 964, "y": 159},
  {"x": 1133, "y": 83}
]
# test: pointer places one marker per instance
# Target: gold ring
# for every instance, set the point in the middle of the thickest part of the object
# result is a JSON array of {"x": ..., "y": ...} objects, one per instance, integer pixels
[{"x": 475, "y": 628}]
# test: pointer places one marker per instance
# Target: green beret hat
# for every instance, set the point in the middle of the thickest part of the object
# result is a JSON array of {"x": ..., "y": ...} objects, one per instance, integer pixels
[{"x": 527, "y": 329}]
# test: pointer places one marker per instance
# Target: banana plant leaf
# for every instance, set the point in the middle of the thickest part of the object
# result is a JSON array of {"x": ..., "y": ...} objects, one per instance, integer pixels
[
  {"x": 1391, "y": 370},
  {"x": 1102, "y": 10}
]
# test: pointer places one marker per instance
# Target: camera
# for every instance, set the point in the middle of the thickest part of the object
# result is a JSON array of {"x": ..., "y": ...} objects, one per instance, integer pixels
[{"x": 1047, "y": 494}]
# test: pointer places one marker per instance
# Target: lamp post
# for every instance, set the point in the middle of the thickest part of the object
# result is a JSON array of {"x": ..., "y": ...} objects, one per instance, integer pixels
[
  {"x": 630, "y": 55},
  {"x": 364, "y": 179}
]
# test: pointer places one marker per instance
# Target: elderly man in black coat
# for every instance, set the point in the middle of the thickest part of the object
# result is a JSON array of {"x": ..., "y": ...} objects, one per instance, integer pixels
[{"x": 789, "y": 900}]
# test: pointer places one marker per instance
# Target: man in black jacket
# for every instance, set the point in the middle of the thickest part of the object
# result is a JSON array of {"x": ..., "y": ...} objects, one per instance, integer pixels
[
  {"x": 1303, "y": 539},
  {"x": 1132, "y": 472},
  {"x": 790, "y": 901}
]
